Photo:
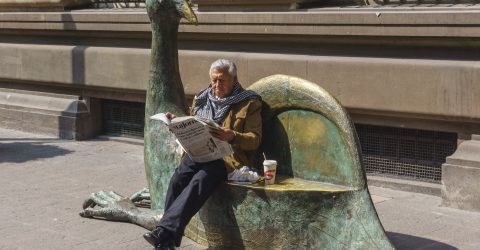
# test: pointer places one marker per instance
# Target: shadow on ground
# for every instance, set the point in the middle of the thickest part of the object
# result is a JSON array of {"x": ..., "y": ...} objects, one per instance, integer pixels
[
  {"x": 18, "y": 152},
  {"x": 30, "y": 139},
  {"x": 404, "y": 242}
]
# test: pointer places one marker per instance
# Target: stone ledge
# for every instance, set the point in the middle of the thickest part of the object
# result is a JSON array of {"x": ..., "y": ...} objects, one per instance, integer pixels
[
  {"x": 405, "y": 185},
  {"x": 40, "y": 5},
  {"x": 40, "y": 103},
  {"x": 66, "y": 118},
  {"x": 445, "y": 23},
  {"x": 85, "y": 67},
  {"x": 133, "y": 141},
  {"x": 467, "y": 155},
  {"x": 246, "y": 5}
]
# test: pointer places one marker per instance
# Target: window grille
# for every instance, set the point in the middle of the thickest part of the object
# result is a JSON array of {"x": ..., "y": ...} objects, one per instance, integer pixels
[
  {"x": 387, "y": 151},
  {"x": 406, "y": 153},
  {"x": 122, "y": 118}
]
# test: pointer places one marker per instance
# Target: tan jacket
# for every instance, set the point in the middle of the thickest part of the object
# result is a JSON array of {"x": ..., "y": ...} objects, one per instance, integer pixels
[{"x": 245, "y": 120}]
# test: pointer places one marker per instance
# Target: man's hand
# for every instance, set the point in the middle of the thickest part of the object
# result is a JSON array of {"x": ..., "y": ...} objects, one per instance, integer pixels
[
  {"x": 170, "y": 115},
  {"x": 223, "y": 134}
]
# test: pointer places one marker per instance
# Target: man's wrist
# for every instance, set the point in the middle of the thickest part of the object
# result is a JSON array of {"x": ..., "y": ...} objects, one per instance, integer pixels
[{"x": 234, "y": 135}]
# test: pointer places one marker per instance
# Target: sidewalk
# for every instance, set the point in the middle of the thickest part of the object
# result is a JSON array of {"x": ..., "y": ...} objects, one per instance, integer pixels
[{"x": 43, "y": 182}]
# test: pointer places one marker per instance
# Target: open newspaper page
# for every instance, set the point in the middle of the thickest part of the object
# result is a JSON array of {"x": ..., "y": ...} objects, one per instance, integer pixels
[{"x": 193, "y": 134}]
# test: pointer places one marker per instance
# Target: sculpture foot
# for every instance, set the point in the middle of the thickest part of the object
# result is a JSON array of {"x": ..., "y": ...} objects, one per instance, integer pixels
[
  {"x": 111, "y": 206},
  {"x": 115, "y": 207}
]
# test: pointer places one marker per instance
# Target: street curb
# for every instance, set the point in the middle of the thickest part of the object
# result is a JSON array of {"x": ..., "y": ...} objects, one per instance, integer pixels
[{"x": 405, "y": 185}]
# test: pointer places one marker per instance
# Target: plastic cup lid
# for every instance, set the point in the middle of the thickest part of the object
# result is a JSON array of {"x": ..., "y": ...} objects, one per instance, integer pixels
[{"x": 269, "y": 162}]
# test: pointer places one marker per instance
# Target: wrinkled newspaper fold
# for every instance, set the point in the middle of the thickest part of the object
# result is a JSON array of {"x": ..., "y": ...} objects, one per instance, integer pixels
[{"x": 193, "y": 135}]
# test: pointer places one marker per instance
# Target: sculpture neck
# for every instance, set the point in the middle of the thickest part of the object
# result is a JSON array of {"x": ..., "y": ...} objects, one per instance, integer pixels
[
  {"x": 165, "y": 89},
  {"x": 164, "y": 94}
]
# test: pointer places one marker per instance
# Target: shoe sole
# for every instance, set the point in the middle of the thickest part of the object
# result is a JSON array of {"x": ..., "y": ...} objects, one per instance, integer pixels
[{"x": 150, "y": 238}]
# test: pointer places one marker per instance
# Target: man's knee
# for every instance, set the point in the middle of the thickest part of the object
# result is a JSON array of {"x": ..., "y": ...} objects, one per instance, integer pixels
[
  {"x": 179, "y": 179},
  {"x": 182, "y": 173},
  {"x": 216, "y": 169},
  {"x": 203, "y": 178}
]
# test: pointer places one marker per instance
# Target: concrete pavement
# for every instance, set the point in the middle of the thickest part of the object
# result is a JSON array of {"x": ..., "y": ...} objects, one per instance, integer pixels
[
  {"x": 418, "y": 221},
  {"x": 43, "y": 182}
]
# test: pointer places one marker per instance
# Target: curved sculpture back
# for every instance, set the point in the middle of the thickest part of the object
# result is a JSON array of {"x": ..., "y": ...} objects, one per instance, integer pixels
[
  {"x": 319, "y": 201},
  {"x": 309, "y": 132}
]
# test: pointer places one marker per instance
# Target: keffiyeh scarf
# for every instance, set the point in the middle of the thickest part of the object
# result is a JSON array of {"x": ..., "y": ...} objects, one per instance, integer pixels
[{"x": 207, "y": 105}]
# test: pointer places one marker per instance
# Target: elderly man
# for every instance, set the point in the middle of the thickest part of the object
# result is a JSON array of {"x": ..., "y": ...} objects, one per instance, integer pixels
[{"x": 238, "y": 111}]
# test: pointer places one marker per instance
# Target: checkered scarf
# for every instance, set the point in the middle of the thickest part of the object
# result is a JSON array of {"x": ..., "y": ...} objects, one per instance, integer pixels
[{"x": 207, "y": 105}]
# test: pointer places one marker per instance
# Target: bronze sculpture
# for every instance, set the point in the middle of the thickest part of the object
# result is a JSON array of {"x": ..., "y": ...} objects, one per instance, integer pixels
[
  {"x": 321, "y": 194},
  {"x": 164, "y": 93},
  {"x": 321, "y": 200}
]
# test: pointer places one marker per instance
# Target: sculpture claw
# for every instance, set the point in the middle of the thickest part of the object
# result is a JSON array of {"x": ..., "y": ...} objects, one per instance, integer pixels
[
  {"x": 101, "y": 198},
  {"x": 141, "y": 195},
  {"x": 111, "y": 206}
]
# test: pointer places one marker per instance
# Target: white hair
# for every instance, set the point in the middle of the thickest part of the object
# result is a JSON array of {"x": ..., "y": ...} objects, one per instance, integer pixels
[{"x": 224, "y": 64}]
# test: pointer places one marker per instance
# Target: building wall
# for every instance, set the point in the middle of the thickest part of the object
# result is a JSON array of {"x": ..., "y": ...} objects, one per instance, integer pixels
[
  {"x": 388, "y": 66},
  {"x": 411, "y": 67}
]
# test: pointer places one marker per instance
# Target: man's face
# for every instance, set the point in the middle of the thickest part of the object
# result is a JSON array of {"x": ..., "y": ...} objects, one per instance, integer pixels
[{"x": 222, "y": 83}]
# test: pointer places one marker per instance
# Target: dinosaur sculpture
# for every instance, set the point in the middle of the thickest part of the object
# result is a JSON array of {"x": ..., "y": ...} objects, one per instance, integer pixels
[
  {"x": 320, "y": 199},
  {"x": 164, "y": 93},
  {"x": 320, "y": 202}
]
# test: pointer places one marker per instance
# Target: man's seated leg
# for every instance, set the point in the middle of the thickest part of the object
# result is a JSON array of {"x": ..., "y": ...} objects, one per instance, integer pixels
[
  {"x": 192, "y": 198},
  {"x": 181, "y": 177}
]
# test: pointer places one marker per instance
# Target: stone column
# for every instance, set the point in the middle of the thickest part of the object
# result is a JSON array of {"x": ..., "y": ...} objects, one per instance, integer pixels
[{"x": 461, "y": 176}]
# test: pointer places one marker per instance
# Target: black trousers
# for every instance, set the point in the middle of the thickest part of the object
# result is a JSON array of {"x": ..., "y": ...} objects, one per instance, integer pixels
[{"x": 189, "y": 188}]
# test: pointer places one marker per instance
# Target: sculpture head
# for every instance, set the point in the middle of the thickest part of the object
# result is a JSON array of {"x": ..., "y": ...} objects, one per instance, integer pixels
[{"x": 180, "y": 8}]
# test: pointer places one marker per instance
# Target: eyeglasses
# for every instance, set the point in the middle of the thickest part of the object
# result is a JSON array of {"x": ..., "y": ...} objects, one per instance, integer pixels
[{"x": 217, "y": 81}]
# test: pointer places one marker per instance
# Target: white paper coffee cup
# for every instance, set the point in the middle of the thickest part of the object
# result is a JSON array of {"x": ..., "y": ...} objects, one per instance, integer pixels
[{"x": 269, "y": 170}]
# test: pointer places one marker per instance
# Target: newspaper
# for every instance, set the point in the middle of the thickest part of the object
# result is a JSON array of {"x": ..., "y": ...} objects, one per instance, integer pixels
[{"x": 193, "y": 135}]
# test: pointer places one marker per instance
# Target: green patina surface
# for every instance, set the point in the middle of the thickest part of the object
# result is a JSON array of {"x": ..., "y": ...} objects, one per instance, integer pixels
[
  {"x": 287, "y": 183},
  {"x": 244, "y": 218},
  {"x": 164, "y": 94},
  {"x": 311, "y": 147},
  {"x": 320, "y": 200},
  {"x": 287, "y": 100}
]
